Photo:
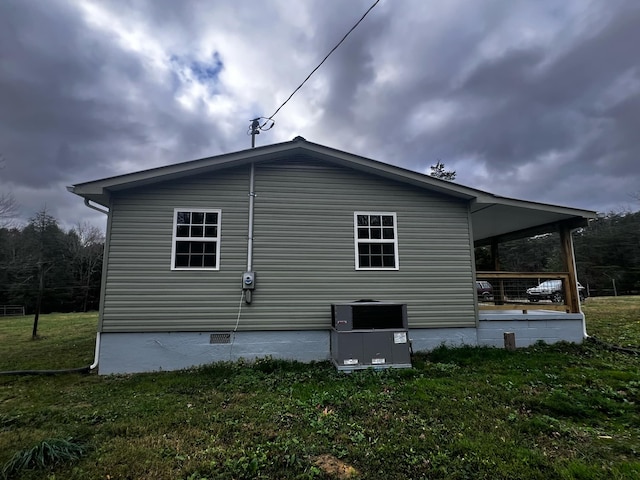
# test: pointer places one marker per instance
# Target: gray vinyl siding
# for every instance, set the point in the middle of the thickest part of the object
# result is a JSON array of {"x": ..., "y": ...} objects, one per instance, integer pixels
[
  {"x": 304, "y": 255},
  {"x": 305, "y": 258},
  {"x": 142, "y": 293}
]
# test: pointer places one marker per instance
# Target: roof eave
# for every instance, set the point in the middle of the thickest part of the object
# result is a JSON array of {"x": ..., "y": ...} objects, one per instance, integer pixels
[
  {"x": 98, "y": 188},
  {"x": 481, "y": 203}
]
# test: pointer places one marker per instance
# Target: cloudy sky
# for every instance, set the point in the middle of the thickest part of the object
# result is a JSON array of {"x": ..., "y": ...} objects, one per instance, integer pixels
[{"x": 538, "y": 100}]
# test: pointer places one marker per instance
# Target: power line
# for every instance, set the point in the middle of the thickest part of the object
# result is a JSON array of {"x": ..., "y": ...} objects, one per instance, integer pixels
[{"x": 323, "y": 60}]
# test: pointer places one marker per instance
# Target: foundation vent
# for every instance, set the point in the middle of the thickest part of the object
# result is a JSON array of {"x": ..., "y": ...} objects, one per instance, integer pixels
[{"x": 220, "y": 338}]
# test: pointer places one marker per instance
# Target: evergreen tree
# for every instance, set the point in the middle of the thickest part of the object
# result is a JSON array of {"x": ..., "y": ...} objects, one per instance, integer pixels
[{"x": 438, "y": 171}]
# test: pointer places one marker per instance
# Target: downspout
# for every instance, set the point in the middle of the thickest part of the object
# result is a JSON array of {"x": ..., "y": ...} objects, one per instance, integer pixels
[
  {"x": 96, "y": 356},
  {"x": 94, "y": 365},
  {"x": 585, "y": 335},
  {"x": 98, "y": 209}
]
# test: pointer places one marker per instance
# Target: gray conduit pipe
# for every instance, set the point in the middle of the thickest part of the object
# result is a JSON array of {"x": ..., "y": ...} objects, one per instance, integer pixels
[
  {"x": 252, "y": 197},
  {"x": 248, "y": 293}
]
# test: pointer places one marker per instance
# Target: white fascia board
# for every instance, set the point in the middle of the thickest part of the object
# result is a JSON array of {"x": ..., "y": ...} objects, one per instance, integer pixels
[{"x": 487, "y": 200}]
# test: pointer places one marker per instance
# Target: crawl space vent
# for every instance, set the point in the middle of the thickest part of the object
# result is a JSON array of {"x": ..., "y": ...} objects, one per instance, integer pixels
[{"x": 220, "y": 338}]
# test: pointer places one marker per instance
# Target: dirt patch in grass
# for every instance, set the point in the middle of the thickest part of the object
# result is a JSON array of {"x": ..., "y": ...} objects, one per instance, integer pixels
[{"x": 334, "y": 466}]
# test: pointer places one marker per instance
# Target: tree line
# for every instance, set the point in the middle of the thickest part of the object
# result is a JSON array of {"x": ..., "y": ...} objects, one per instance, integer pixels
[
  {"x": 607, "y": 254},
  {"x": 41, "y": 265}
]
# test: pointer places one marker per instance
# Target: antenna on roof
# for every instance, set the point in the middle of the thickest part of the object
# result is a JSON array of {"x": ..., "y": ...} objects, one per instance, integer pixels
[{"x": 255, "y": 127}]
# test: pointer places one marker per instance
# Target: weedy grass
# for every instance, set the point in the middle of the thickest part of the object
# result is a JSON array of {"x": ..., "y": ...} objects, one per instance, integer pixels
[
  {"x": 549, "y": 411},
  {"x": 46, "y": 454},
  {"x": 65, "y": 340}
]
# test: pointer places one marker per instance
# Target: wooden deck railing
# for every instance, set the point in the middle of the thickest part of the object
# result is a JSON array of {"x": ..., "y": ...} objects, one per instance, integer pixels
[{"x": 510, "y": 291}]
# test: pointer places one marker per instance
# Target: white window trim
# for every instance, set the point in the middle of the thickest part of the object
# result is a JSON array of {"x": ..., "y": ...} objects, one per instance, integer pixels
[
  {"x": 356, "y": 241},
  {"x": 175, "y": 238}
]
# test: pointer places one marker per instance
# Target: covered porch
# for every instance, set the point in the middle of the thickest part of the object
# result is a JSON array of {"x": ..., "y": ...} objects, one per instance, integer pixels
[
  {"x": 554, "y": 318},
  {"x": 535, "y": 306}
]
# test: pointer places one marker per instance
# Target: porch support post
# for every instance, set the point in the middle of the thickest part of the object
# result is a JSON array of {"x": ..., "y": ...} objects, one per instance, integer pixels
[
  {"x": 498, "y": 294},
  {"x": 571, "y": 290}
]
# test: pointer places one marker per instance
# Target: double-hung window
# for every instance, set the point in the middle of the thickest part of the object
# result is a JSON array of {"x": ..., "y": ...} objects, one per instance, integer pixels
[
  {"x": 196, "y": 239},
  {"x": 376, "y": 240}
]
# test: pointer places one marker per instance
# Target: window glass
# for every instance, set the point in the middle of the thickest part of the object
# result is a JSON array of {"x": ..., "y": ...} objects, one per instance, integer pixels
[
  {"x": 388, "y": 261},
  {"x": 183, "y": 217},
  {"x": 196, "y": 239},
  {"x": 195, "y": 261},
  {"x": 376, "y": 240},
  {"x": 182, "y": 247}
]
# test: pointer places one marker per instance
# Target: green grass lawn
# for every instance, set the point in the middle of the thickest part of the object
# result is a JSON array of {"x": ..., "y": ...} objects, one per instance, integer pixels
[
  {"x": 545, "y": 412},
  {"x": 614, "y": 319}
]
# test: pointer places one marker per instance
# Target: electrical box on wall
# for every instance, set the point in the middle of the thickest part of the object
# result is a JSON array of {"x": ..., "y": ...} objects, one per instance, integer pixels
[{"x": 248, "y": 280}]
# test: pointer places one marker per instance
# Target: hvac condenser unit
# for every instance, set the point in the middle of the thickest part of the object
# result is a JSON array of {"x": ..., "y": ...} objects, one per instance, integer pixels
[{"x": 368, "y": 334}]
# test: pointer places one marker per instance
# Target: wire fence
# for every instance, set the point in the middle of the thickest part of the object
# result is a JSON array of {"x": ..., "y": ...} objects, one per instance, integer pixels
[{"x": 11, "y": 310}]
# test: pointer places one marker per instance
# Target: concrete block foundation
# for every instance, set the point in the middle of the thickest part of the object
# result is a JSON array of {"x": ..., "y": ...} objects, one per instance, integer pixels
[{"x": 157, "y": 351}]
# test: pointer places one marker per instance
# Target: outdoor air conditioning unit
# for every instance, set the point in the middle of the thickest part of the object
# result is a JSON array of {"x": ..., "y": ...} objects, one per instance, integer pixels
[{"x": 368, "y": 333}]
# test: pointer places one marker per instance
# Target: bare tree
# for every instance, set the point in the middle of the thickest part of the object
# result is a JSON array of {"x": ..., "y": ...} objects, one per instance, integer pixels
[
  {"x": 8, "y": 205},
  {"x": 88, "y": 234},
  {"x": 86, "y": 244}
]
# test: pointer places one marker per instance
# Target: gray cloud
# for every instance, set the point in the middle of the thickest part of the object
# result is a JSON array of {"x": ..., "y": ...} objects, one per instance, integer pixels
[{"x": 533, "y": 100}]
